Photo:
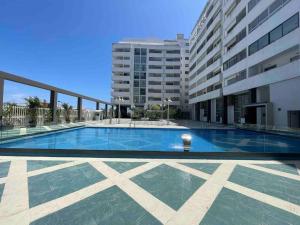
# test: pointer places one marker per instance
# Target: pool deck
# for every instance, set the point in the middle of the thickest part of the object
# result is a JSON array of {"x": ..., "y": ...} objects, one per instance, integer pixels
[{"x": 91, "y": 191}]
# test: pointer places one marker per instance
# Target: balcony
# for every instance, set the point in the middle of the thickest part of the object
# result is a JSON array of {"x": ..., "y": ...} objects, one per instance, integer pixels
[
  {"x": 210, "y": 95},
  {"x": 278, "y": 74}
]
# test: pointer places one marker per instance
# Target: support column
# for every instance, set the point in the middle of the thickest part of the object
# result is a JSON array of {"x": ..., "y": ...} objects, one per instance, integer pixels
[
  {"x": 79, "y": 108},
  {"x": 97, "y": 105},
  {"x": 225, "y": 108},
  {"x": 209, "y": 111},
  {"x": 106, "y": 111},
  {"x": 1, "y": 98},
  {"x": 53, "y": 105}
]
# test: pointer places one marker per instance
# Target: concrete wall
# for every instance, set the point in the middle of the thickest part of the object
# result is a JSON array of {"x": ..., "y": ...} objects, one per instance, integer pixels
[{"x": 285, "y": 97}]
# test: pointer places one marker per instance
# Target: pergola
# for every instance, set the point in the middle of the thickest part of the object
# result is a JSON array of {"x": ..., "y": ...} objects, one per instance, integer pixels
[{"x": 53, "y": 94}]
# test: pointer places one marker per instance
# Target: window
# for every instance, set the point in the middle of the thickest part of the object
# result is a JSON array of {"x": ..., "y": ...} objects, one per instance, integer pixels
[
  {"x": 173, "y": 52},
  {"x": 252, "y": 4},
  {"x": 157, "y": 51},
  {"x": 276, "y": 34},
  {"x": 157, "y": 59},
  {"x": 266, "y": 14},
  {"x": 235, "y": 59},
  {"x": 253, "y": 48},
  {"x": 291, "y": 24},
  {"x": 263, "y": 42}
]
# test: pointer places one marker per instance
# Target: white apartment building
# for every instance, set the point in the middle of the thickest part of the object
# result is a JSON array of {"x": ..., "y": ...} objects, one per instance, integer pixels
[
  {"x": 147, "y": 72},
  {"x": 245, "y": 63}
]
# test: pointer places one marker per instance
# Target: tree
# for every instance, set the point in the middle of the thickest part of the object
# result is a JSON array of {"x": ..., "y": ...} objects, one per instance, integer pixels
[
  {"x": 67, "y": 111},
  {"x": 33, "y": 103}
]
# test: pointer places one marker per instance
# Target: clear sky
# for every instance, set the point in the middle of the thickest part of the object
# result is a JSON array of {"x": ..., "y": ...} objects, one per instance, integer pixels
[{"x": 67, "y": 43}]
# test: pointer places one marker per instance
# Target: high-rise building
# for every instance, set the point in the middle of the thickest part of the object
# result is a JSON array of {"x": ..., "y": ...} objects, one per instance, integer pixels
[
  {"x": 245, "y": 63},
  {"x": 148, "y": 72}
]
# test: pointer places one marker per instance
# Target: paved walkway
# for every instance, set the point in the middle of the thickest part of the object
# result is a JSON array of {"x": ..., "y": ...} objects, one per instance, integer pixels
[{"x": 57, "y": 191}]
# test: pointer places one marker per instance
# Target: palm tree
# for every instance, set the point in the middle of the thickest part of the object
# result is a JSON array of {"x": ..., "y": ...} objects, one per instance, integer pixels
[
  {"x": 67, "y": 111},
  {"x": 33, "y": 103}
]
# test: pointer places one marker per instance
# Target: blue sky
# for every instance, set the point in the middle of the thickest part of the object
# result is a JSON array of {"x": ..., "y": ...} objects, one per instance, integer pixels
[{"x": 67, "y": 43}]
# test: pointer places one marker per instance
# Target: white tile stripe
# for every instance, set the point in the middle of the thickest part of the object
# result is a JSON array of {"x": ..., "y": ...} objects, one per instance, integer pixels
[
  {"x": 47, "y": 208},
  {"x": 271, "y": 171},
  {"x": 194, "y": 210},
  {"x": 15, "y": 196},
  {"x": 268, "y": 199},
  {"x": 154, "y": 206},
  {"x": 54, "y": 168},
  {"x": 189, "y": 170}
]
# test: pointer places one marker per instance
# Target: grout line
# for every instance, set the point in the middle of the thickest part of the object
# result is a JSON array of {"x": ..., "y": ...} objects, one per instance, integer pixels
[{"x": 196, "y": 207}]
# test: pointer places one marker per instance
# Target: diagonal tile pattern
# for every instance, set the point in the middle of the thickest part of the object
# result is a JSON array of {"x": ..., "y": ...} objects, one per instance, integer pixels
[
  {"x": 49, "y": 186},
  {"x": 232, "y": 208},
  {"x": 169, "y": 185},
  {"x": 277, "y": 186},
  {"x": 4, "y": 167},
  {"x": 59, "y": 191},
  {"x": 124, "y": 166},
  {"x": 111, "y": 206},
  {"x": 209, "y": 168},
  {"x": 287, "y": 168},
  {"x": 40, "y": 164}
]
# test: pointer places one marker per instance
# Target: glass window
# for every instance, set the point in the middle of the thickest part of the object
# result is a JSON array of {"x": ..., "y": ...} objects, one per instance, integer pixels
[
  {"x": 253, "y": 48},
  {"x": 144, "y": 51},
  {"x": 136, "y": 75},
  {"x": 263, "y": 41},
  {"x": 142, "y": 75},
  {"x": 275, "y": 6},
  {"x": 136, "y": 83},
  {"x": 137, "y": 51},
  {"x": 137, "y": 59},
  {"x": 276, "y": 34},
  {"x": 143, "y": 83},
  {"x": 136, "y": 91},
  {"x": 143, "y": 59},
  {"x": 291, "y": 24},
  {"x": 142, "y": 91}
]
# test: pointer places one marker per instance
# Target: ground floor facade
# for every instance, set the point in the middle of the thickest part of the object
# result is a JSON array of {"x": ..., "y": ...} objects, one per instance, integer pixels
[{"x": 276, "y": 104}]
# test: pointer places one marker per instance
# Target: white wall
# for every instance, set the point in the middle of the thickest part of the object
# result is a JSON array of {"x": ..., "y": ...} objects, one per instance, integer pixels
[{"x": 285, "y": 96}]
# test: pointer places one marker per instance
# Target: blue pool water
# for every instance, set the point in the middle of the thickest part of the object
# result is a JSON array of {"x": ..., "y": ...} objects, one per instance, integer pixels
[{"x": 160, "y": 140}]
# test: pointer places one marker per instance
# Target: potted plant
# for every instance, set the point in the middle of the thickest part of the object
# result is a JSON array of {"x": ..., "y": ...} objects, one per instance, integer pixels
[{"x": 33, "y": 103}]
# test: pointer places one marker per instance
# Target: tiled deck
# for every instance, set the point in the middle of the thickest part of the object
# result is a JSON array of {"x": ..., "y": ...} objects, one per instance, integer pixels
[{"x": 82, "y": 191}]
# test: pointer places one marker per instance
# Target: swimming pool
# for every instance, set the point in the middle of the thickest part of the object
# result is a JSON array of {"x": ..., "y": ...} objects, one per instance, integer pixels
[{"x": 146, "y": 139}]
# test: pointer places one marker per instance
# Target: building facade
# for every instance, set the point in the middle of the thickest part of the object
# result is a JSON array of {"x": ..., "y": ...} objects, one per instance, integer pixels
[
  {"x": 147, "y": 72},
  {"x": 244, "y": 63}
]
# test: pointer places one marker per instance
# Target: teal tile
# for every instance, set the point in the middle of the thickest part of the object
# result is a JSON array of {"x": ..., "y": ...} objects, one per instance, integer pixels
[
  {"x": 232, "y": 208},
  {"x": 209, "y": 168},
  {"x": 1, "y": 190},
  {"x": 277, "y": 186},
  {"x": 168, "y": 184},
  {"x": 52, "y": 185},
  {"x": 287, "y": 168},
  {"x": 40, "y": 164},
  {"x": 122, "y": 167},
  {"x": 109, "y": 207},
  {"x": 4, "y": 168}
]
